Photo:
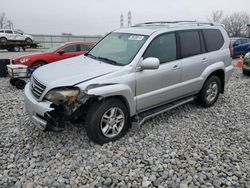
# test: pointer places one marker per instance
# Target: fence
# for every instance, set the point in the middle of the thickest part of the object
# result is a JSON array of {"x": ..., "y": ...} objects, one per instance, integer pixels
[{"x": 48, "y": 41}]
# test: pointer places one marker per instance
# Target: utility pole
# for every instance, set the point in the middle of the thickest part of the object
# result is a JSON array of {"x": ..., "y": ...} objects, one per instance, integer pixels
[
  {"x": 129, "y": 19},
  {"x": 121, "y": 21}
]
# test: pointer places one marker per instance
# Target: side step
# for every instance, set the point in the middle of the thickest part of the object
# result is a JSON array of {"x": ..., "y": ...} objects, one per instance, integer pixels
[{"x": 142, "y": 117}]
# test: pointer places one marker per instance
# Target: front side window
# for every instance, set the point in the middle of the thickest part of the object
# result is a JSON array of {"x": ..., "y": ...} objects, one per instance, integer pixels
[
  {"x": 85, "y": 47},
  {"x": 163, "y": 47},
  {"x": 120, "y": 48},
  {"x": 190, "y": 43},
  {"x": 9, "y": 31},
  {"x": 71, "y": 48}
]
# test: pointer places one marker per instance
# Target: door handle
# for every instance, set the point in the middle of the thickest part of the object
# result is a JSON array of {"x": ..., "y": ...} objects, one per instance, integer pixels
[
  {"x": 204, "y": 60},
  {"x": 176, "y": 67}
]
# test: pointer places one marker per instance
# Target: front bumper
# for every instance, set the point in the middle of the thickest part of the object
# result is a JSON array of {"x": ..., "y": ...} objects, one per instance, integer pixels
[{"x": 36, "y": 110}]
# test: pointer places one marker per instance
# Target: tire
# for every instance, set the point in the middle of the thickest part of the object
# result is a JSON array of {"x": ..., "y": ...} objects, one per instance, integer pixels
[
  {"x": 38, "y": 64},
  {"x": 28, "y": 40},
  {"x": 210, "y": 91},
  {"x": 13, "y": 81},
  {"x": 3, "y": 40},
  {"x": 98, "y": 129},
  {"x": 16, "y": 49},
  {"x": 20, "y": 84}
]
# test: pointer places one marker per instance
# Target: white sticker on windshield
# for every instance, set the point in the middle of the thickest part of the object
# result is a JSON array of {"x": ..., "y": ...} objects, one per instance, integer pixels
[{"x": 135, "y": 37}]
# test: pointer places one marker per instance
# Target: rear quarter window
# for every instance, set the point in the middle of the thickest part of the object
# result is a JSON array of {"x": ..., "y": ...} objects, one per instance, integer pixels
[{"x": 213, "y": 39}]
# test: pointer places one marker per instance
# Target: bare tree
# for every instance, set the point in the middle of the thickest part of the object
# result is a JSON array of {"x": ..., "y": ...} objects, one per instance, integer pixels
[
  {"x": 216, "y": 16},
  {"x": 3, "y": 20},
  {"x": 236, "y": 24}
]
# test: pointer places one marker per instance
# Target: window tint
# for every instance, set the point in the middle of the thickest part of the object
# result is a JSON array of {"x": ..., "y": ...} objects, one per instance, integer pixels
[
  {"x": 190, "y": 43},
  {"x": 71, "y": 48},
  {"x": 8, "y": 31},
  {"x": 214, "y": 39},
  {"x": 1, "y": 31},
  {"x": 163, "y": 47},
  {"x": 84, "y": 47}
]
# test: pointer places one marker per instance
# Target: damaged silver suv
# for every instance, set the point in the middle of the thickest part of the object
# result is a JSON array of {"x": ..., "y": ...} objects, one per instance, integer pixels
[{"x": 131, "y": 75}]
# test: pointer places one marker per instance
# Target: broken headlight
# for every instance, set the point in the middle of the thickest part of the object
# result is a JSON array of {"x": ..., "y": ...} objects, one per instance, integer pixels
[{"x": 62, "y": 95}]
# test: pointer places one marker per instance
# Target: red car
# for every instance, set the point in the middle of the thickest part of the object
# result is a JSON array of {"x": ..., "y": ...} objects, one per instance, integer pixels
[{"x": 57, "y": 53}]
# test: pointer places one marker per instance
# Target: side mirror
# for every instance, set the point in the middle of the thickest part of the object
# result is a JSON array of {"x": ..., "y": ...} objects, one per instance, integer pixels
[
  {"x": 150, "y": 63},
  {"x": 236, "y": 44},
  {"x": 60, "y": 52}
]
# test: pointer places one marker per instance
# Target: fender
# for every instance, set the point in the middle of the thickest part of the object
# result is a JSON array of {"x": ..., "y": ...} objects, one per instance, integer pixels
[
  {"x": 110, "y": 90},
  {"x": 212, "y": 68}
]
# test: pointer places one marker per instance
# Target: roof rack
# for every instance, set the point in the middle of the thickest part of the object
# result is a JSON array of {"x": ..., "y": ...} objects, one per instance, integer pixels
[{"x": 173, "y": 23}]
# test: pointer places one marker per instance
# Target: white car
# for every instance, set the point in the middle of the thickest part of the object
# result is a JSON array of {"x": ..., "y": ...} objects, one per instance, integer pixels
[{"x": 13, "y": 35}]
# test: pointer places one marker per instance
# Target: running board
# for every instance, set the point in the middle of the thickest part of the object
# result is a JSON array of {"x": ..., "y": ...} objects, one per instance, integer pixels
[{"x": 142, "y": 117}]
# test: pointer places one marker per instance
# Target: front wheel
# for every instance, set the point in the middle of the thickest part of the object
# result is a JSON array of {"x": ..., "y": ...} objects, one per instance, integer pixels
[
  {"x": 107, "y": 120},
  {"x": 3, "y": 40},
  {"x": 210, "y": 92},
  {"x": 28, "y": 40}
]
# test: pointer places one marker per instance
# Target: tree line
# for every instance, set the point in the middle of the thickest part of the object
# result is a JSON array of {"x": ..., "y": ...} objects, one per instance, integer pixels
[
  {"x": 4, "y": 22},
  {"x": 235, "y": 24}
]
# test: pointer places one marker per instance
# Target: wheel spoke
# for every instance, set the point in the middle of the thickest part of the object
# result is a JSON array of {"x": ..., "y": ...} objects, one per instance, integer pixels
[
  {"x": 113, "y": 112},
  {"x": 106, "y": 129}
]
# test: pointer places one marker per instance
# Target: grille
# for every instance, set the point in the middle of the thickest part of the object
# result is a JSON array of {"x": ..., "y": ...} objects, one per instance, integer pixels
[{"x": 37, "y": 88}]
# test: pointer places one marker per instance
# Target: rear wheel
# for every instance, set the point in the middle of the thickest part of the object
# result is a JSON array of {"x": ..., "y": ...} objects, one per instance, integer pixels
[
  {"x": 210, "y": 92},
  {"x": 3, "y": 40},
  {"x": 107, "y": 120}
]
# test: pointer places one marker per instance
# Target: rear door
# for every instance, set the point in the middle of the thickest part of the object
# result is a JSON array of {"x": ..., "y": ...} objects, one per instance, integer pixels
[
  {"x": 155, "y": 87},
  {"x": 193, "y": 60}
]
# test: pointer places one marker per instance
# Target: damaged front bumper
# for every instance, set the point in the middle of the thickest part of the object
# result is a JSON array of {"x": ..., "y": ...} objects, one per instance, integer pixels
[{"x": 36, "y": 110}]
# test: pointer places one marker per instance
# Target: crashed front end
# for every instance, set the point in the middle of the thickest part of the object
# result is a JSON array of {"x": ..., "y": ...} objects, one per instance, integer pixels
[{"x": 58, "y": 106}]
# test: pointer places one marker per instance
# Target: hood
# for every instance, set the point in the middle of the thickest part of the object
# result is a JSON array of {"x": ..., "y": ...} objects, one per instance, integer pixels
[
  {"x": 72, "y": 71},
  {"x": 31, "y": 55}
]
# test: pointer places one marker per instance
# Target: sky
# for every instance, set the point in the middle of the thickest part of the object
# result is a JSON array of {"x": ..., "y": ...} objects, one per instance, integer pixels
[{"x": 82, "y": 17}]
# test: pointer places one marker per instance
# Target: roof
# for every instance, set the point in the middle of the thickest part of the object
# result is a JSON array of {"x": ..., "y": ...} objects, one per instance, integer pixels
[{"x": 149, "y": 28}]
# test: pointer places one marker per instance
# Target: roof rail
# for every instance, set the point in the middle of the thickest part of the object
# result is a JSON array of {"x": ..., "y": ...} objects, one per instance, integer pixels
[{"x": 169, "y": 23}]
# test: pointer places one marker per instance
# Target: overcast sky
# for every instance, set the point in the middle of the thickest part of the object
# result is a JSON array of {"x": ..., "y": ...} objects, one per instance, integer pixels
[{"x": 89, "y": 17}]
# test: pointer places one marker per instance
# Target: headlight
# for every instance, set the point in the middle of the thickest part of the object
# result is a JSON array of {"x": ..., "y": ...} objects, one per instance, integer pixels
[
  {"x": 24, "y": 60},
  {"x": 62, "y": 95}
]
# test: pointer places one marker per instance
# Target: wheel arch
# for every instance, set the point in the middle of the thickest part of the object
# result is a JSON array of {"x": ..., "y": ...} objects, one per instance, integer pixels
[{"x": 221, "y": 74}]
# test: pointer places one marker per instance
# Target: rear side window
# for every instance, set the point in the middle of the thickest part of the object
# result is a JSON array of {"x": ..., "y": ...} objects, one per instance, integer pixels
[
  {"x": 214, "y": 39},
  {"x": 162, "y": 47},
  {"x": 190, "y": 43}
]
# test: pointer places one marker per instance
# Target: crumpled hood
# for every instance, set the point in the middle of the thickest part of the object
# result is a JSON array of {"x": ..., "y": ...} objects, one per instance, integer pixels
[{"x": 72, "y": 71}]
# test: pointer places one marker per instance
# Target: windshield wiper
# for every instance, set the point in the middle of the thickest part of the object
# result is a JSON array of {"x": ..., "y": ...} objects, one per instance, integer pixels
[
  {"x": 108, "y": 60},
  {"x": 90, "y": 55}
]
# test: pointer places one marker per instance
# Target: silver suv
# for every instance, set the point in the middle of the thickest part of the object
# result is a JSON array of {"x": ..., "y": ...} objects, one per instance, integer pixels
[{"x": 131, "y": 75}]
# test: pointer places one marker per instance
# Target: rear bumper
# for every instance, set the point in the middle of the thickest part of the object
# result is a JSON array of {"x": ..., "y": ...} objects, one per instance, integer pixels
[{"x": 36, "y": 110}]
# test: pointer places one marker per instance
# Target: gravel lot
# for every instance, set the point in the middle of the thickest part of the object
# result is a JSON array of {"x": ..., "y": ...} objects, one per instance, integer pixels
[{"x": 187, "y": 147}]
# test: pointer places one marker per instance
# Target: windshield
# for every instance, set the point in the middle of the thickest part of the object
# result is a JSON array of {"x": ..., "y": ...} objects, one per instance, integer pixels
[
  {"x": 119, "y": 48},
  {"x": 54, "y": 48}
]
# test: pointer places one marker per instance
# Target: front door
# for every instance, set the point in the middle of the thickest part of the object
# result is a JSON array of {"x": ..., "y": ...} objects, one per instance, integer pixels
[{"x": 155, "y": 87}]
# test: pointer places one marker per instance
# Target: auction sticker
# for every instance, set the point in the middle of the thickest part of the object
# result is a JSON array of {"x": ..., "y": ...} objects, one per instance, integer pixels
[{"x": 135, "y": 37}]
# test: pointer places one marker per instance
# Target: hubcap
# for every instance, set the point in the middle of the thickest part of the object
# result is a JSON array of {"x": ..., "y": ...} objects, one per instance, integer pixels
[
  {"x": 212, "y": 91},
  {"x": 112, "y": 122}
]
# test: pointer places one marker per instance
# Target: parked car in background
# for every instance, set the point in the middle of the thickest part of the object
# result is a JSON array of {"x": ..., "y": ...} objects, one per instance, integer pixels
[
  {"x": 57, "y": 53},
  {"x": 240, "y": 46},
  {"x": 246, "y": 64},
  {"x": 14, "y": 35},
  {"x": 131, "y": 75}
]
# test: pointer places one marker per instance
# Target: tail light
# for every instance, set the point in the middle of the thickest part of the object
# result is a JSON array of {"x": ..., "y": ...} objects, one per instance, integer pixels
[{"x": 231, "y": 49}]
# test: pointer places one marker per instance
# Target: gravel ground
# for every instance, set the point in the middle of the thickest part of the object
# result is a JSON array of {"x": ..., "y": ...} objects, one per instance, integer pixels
[{"x": 187, "y": 147}]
